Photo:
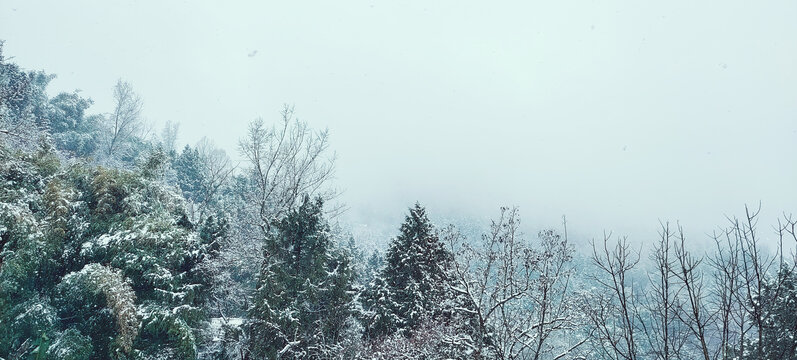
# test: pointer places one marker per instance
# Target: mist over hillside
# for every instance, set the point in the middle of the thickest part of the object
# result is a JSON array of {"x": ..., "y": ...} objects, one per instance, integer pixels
[{"x": 379, "y": 181}]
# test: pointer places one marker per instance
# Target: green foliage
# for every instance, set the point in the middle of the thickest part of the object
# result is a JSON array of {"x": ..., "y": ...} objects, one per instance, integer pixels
[
  {"x": 98, "y": 301},
  {"x": 23, "y": 102},
  {"x": 73, "y": 131},
  {"x": 70, "y": 345},
  {"x": 189, "y": 174},
  {"x": 84, "y": 250},
  {"x": 25, "y": 324},
  {"x": 381, "y": 315},
  {"x": 164, "y": 326},
  {"x": 779, "y": 334},
  {"x": 303, "y": 296},
  {"x": 413, "y": 281},
  {"x": 154, "y": 165}
]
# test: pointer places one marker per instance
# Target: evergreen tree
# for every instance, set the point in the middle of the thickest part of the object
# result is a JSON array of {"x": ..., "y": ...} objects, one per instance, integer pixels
[
  {"x": 779, "y": 334},
  {"x": 371, "y": 268},
  {"x": 73, "y": 132},
  {"x": 303, "y": 296},
  {"x": 23, "y": 104},
  {"x": 189, "y": 176},
  {"x": 413, "y": 284}
]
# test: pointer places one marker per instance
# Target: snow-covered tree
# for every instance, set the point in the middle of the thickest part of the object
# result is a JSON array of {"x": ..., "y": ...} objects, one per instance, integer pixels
[
  {"x": 413, "y": 285},
  {"x": 124, "y": 123},
  {"x": 779, "y": 333},
  {"x": 23, "y": 104},
  {"x": 202, "y": 172},
  {"x": 518, "y": 300},
  {"x": 73, "y": 131},
  {"x": 99, "y": 251},
  {"x": 303, "y": 296},
  {"x": 614, "y": 306},
  {"x": 97, "y": 301},
  {"x": 287, "y": 161}
]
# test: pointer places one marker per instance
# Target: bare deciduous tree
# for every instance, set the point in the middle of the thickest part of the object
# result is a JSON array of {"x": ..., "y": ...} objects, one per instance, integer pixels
[
  {"x": 665, "y": 337},
  {"x": 287, "y": 161},
  {"x": 755, "y": 266},
  {"x": 693, "y": 313},
  {"x": 169, "y": 136},
  {"x": 614, "y": 314},
  {"x": 124, "y": 122},
  {"x": 215, "y": 169},
  {"x": 516, "y": 295},
  {"x": 725, "y": 297}
]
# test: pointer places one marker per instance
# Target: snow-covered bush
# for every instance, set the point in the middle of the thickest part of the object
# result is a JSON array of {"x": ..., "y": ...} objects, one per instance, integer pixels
[
  {"x": 98, "y": 297},
  {"x": 101, "y": 251},
  {"x": 70, "y": 345}
]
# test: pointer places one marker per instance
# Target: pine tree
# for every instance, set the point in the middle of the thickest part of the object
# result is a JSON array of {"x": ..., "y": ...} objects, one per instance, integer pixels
[{"x": 413, "y": 284}]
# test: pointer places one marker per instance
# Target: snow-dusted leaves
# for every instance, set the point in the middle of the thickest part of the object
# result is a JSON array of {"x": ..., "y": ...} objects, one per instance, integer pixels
[{"x": 95, "y": 290}]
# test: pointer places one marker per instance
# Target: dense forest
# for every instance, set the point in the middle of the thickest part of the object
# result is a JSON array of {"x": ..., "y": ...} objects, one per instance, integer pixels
[{"x": 115, "y": 244}]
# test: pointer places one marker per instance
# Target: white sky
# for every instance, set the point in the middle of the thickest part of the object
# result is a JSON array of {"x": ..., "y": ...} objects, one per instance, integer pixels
[{"x": 616, "y": 114}]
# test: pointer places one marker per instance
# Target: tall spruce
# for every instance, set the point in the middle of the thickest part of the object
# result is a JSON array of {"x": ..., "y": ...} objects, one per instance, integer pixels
[{"x": 413, "y": 285}]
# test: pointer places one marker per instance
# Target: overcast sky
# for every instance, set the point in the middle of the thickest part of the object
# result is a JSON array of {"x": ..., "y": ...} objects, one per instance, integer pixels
[{"x": 616, "y": 114}]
